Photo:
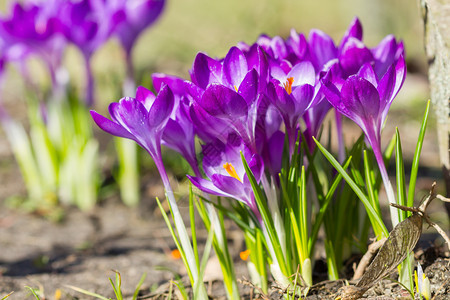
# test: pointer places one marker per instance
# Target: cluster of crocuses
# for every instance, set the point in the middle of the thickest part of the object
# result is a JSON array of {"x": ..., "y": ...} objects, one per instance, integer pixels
[
  {"x": 238, "y": 106},
  {"x": 43, "y": 28},
  {"x": 61, "y": 142}
]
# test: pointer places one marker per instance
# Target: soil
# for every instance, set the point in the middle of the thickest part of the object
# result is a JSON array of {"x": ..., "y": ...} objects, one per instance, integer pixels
[{"x": 84, "y": 248}]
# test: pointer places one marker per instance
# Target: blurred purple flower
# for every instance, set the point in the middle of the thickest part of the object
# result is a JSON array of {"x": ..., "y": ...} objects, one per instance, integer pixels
[
  {"x": 139, "y": 14},
  {"x": 33, "y": 28},
  {"x": 88, "y": 24}
]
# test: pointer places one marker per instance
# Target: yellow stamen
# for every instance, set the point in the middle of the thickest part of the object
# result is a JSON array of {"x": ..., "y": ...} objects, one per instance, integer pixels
[
  {"x": 244, "y": 254},
  {"x": 288, "y": 85},
  {"x": 231, "y": 170},
  {"x": 236, "y": 88}
]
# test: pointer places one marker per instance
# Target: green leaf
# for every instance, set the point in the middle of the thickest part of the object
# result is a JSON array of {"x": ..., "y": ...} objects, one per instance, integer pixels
[
  {"x": 86, "y": 292},
  {"x": 323, "y": 209},
  {"x": 266, "y": 216},
  {"x": 7, "y": 296},
  {"x": 376, "y": 220},
  {"x": 400, "y": 178},
  {"x": 415, "y": 165},
  {"x": 34, "y": 292},
  {"x": 138, "y": 286},
  {"x": 177, "y": 242},
  {"x": 207, "y": 250},
  {"x": 192, "y": 219}
]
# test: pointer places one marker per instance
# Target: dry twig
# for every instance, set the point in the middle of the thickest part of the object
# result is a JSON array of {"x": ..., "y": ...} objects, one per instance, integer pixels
[{"x": 365, "y": 260}]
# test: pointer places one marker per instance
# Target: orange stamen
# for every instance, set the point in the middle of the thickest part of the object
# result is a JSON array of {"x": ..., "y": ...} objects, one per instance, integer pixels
[
  {"x": 244, "y": 254},
  {"x": 288, "y": 85},
  {"x": 231, "y": 170}
]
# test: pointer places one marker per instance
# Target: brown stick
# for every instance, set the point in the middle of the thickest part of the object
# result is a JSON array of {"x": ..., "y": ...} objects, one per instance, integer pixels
[
  {"x": 439, "y": 230},
  {"x": 365, "y": 260}
]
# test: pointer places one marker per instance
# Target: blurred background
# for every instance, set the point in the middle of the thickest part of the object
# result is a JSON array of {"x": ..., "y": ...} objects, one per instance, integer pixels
[{"x": 189, "y": 26}]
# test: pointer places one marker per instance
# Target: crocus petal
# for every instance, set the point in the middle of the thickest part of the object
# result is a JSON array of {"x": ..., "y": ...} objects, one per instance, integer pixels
[
  {"x": 208, "y": 127},
  {"x": 277, "y": 94},
  {"x": 386, "y": 87},
  {"x": 303, "y": 73},
  {"x": 303, "y": 95},
  {"x": 234, "y": 67},
  {"x": 132, "y": 115},
  {"x": 110, "y": 126},
  {"x": 368, "y": 74},
  {"x": 145, "y": 96},
  {"x": 321, "y": 48},
  {"x": 360, "y": 98},
  {"x": 279, "y": 48},
  {"x": 256, "y": 59},
  {"x": 175, "y": 83},
  {"x": 249, "y": 87},
  {"x": 354, "y": 31},
  {"x": 400, "y": 74},
  {"x": 385, "y": 54},
  {"x": 205, "y": 71},
  {"x": 193, "y": 90},
  {"x": 174, "y": 135},
  {"x": 207, "y": 186},
  {"x": 229, "y": 185},
  {"x": 161, "y": 108},
  {"x": 354, "y": 55},
  {"x": 331, "y": 92},
  {"x": 221, "y": 101},
  {"x": 298, "y": 44}
]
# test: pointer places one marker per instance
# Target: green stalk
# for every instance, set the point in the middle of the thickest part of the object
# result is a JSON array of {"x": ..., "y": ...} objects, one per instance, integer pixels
[
  {"x": 128, "y": 172},
  {"x": 415, "y": 165},
  {"x": 375, "y": 219},
  {"x": 208, "y": 215},
  {"x": 269, "y": 231}
]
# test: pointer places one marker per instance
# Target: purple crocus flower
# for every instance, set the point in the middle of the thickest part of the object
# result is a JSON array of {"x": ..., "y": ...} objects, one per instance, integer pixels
[
  {"x": 139, "y": 14},
  {"x": 222, "y": 164},
  {"x": 230, "y": 89},
  {"x": 141, "y": 119},
  {"x": 88, "y": 24},
  {"x": 292, "y": 95},
  {"x": 33, "y": 28},
  {"x": 270, "y": 140},
  {"x": 365, "y": 99},
  {"x": 386, "y": 53}
]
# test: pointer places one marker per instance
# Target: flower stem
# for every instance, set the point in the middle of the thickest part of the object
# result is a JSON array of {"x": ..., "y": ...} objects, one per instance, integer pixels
[
  {"x": 89, "y": 81},
  {"x": 387, "y": 183},
  {"x": 129, "y": 84},
  {"x": 181, "y": 229},
  {"x": 340, "y": 136}
]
